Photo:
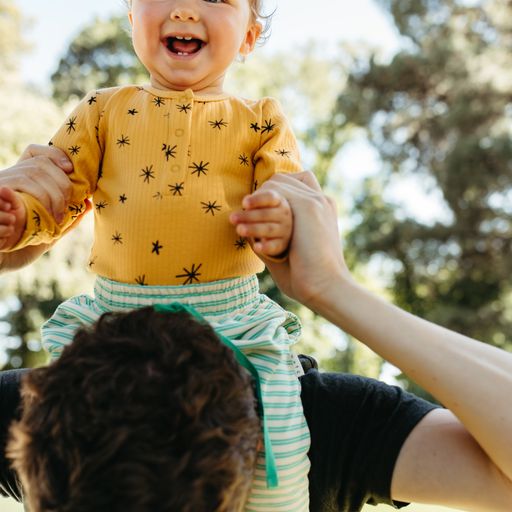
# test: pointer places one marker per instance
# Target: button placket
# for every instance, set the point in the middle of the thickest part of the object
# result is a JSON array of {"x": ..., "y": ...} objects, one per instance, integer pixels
[{"x": 181, "y": 131}]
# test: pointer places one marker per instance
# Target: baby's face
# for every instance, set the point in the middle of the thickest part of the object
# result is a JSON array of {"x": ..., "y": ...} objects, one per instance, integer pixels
[{"x": 189, "y": 44}]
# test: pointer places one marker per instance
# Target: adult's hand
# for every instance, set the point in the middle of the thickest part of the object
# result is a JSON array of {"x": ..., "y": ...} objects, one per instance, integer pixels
[
  {"x": 315, "y": 259},
  {"x": 41, "y": 172},
  {"x": 11, "y": 261}
]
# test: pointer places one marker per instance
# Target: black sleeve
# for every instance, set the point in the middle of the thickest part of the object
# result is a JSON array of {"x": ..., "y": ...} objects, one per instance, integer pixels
[
  {"x": 358, "y": 426},
  {"x": 10, "y": 382}
]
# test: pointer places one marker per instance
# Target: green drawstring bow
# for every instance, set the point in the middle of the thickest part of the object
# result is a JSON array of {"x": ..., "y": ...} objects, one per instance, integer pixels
[{"x": 270, "y": 462}]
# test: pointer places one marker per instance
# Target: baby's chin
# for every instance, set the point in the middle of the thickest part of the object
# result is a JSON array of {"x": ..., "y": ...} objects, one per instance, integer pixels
[{"x": 202, "y": 87}]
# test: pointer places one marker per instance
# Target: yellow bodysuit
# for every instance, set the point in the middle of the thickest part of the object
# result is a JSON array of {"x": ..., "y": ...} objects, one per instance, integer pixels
[{"x": 164, "y": 170}]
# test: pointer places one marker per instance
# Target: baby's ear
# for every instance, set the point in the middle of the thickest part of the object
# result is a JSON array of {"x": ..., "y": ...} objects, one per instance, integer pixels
[{"x": 251, "y": 38}]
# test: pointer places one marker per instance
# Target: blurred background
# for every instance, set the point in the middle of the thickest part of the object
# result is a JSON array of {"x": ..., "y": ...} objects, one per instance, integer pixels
[{"x": 403, "y": 109}]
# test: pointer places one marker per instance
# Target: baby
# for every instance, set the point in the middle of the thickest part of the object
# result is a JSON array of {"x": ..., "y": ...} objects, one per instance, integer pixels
[{"x": 165, "y": 164}]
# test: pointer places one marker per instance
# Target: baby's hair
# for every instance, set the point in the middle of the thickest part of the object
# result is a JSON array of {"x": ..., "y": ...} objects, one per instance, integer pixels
[{"x": 264, "y": 19}]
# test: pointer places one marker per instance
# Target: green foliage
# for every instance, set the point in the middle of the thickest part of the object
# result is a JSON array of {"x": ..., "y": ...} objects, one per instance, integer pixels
[
  {"x": 12, "y": 43},
  {"x": 32, "y": 294},
  {"x": 100, "y": 56},
  {"x": 440, "y": 112},
  {"x": 19, "y": 126}
]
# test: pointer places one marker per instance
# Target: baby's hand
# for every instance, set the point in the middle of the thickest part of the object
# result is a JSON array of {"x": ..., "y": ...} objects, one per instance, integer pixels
[
  {"x": 267, "y": 220},
  {"x": 13, "y": 217}
]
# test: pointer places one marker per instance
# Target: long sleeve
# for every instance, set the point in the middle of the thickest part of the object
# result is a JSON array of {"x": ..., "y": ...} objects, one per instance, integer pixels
[
  {"x": 278, "y": 151},
  {"x": 79, "y": 138}
]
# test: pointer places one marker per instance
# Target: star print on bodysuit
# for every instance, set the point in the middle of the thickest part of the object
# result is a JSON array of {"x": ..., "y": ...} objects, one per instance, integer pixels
[
  {"x": 101, "y": 205},
  {"x": 199, "y": 168},
  {"x": 170, "y": 152},
  {"x": 147, "y": 173},
  {"x": 156, "y": 248},
  {"x": 268, "y": 126},
  {"x": 71, "y": 124},
  {"x": 76, "y": 209},
  {"x": 218, "y": 124},
  {"x": 123, "y": 141},
  {"x": 117, "y": 238},
  {"x": 169, "y": 179},
  {"x": 184, "y": 108},
  {"x": 141, "y": 280},
  {"x": 177, "y": 189},
  {"x": 241, "y": 243},
  {"x": 192, "y": 274},
  {"x": 210, "y": 207}
]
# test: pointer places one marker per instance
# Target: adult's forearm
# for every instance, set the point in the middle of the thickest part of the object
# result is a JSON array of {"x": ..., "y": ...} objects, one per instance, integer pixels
[{"x": 472, "y": 379}]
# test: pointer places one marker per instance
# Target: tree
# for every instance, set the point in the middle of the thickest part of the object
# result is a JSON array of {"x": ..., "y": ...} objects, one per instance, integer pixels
[
  {"x": 439, "y": 113},
  {"x": 100, "y": 56},
  {"x": 12, "y": 43},
  {"x": 29, "y": 297}
]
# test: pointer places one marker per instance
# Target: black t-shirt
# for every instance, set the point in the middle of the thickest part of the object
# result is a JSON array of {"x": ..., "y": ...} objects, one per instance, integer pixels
[{"x": 357, "y": 425}]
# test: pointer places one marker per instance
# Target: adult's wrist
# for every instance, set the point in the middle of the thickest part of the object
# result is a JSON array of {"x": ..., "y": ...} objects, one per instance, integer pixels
[{"x": 330, "y": 298}]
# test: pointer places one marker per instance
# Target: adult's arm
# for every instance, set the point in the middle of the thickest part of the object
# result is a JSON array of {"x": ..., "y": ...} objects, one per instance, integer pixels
[
  {"x": 459, "y": 457},
  {"x": 41, "y": 172}
]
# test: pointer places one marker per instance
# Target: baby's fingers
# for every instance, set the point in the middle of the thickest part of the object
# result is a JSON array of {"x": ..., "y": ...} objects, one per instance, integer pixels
[
  {"x": 7, "y": 221},
  {"x": 262, "y": 215},
  {"x": 262, "y": 199},
  {"x": 270, "y": 247},
  {"x": 262, "y": 230}
]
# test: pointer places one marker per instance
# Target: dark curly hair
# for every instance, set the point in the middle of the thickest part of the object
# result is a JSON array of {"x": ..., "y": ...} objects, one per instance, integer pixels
[{"x": 144, "y": 411}]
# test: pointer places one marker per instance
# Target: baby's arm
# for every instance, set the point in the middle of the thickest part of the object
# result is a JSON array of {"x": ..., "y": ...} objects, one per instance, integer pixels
[
  {"x": 13, "y": 217},
  {"x": 267, "y": 220},
  {"x": 79, "y": 138},
  {"x": 267, "y": 217}
]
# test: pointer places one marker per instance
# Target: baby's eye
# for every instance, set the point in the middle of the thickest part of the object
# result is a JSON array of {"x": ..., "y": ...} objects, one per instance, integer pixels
[{"x": 214, "y": 1}]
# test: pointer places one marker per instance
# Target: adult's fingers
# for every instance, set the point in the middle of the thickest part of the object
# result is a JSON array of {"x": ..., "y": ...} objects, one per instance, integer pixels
[
  {"x": 42, "y": 178},
  {"x": 56, "y": 155},
  {"x": 305, "y": 177}
]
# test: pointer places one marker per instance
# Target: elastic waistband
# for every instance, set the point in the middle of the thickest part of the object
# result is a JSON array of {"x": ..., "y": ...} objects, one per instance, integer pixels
[{"x": 216, "y": 298}]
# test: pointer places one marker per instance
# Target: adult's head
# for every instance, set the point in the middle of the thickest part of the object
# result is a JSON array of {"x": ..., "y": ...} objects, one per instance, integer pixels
[{"x": 144, "y": 411}]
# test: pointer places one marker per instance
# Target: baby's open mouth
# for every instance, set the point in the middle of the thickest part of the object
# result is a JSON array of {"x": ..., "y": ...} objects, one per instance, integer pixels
[{"x": 184, "y": 45}]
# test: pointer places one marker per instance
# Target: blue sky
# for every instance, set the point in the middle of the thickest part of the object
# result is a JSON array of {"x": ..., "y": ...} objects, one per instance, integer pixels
[{"x": 55, "y": 22}]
